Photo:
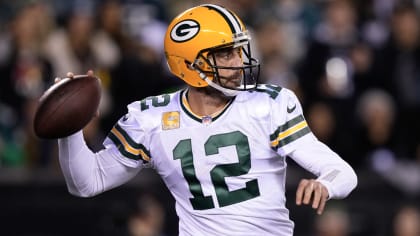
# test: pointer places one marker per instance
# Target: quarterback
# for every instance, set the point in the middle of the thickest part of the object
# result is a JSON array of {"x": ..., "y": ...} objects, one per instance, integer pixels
[{"x": 220, "y": 144}]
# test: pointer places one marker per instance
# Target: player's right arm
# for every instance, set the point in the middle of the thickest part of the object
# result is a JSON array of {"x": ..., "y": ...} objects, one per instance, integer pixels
[{"x": 87, "y": 173}]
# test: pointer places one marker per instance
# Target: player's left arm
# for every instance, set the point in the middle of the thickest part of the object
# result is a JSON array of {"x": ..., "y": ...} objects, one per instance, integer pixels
[
  {"x": 293, "y": 138},
  {"x": 336, "y": 178}
]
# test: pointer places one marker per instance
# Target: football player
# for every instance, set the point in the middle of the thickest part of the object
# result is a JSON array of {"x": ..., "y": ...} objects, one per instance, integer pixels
[{"x": 221, "y": 144}]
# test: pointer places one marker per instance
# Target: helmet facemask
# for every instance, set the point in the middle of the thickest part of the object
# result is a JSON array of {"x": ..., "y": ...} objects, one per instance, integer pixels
[{"x": 249, "y": 71}]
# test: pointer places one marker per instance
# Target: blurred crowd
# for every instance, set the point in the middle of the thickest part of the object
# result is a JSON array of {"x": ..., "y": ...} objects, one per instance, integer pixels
[{"x": 355, "y": 65}]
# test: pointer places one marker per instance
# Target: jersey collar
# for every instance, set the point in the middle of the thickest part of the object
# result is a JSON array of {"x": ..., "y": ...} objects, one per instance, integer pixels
[{"x": 202, "y": 119}]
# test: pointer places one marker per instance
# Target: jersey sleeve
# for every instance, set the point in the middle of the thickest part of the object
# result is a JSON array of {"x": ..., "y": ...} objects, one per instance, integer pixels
[
  {"x": 293, "y": 137},
  {"x": 129, "y": 139},
  {"x": 333, "y": 172},
  {"x": 290, "y": 129},
  {"x": 87, "y": 173}
]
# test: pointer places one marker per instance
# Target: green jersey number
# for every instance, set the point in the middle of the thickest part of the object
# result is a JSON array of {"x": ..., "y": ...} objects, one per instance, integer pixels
[
  {"x": 183, "y": 151},
  {"x": 157, "y": 101}
]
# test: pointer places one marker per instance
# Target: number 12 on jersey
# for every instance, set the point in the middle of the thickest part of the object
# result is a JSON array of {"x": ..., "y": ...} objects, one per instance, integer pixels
[{"x": 183, "y": 151}]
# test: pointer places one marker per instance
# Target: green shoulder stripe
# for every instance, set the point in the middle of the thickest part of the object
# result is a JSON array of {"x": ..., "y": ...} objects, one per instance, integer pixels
[
  {"x": 289, "y": 132},
  {"x": 286, "y": 126},
  {"x": 127, "y": 146},
  {"x": 293, "y": 137}
]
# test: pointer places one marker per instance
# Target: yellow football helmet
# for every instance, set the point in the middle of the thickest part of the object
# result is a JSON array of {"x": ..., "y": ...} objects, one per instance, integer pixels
[{"x": 196, "y": 34}]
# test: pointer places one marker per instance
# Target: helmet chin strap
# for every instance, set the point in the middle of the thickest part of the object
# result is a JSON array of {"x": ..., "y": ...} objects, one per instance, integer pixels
[{"x": 225, "y": 91}]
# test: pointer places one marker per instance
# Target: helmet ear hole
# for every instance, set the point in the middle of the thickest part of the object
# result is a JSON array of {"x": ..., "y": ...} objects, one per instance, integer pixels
[
  {"x": 189, "y": 65},
  {"x": 194, "y": 66},
  {"x": 199, "y": 64}
]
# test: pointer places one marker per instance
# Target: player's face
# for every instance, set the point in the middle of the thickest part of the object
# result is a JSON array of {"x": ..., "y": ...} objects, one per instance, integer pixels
[{"x": 229, "y": 57}]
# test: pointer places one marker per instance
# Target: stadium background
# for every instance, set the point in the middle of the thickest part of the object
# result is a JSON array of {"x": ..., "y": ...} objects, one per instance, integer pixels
[{"x": 355, "y": 66}]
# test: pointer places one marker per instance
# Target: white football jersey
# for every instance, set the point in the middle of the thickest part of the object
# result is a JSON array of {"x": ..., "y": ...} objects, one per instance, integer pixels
[{"x": 226, "y": 172}]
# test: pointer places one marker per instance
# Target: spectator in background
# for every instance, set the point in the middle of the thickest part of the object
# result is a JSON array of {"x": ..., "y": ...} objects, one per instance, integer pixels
[
  {"x": 326, "y": 72},
  {"x": 70, "y": 45},
  {"x": 146, "y": 217},
  {"x": 373, "y": 20},
  {"x": 139, "y": 72},
  {"x": 323, "y": 123},
  {"x": 142, "y": 214},
  {"x": 380, "y": 146},
  {"x": 144, "y": 24},
  {"x": 376, "y": 116},
  {"x": 362, "y": 59},
  {"x": 77, "y": 45},
  {"x": 110, "y": 27},
  {"x": 334, "y": 222},
  {"x": 398, "y": 66},
  {"x": 298, "y": 18},
  {"x": 24, "y": 74},
  {"x": 271, "y": 43},
  {"x": 407, "y": 221}
]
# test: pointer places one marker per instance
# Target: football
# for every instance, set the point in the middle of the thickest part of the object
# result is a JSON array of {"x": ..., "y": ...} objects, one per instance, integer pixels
[{"x": 67, "y": 106}]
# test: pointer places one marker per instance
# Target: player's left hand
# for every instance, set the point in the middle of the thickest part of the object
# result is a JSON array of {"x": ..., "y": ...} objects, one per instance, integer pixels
[{"x": 312, "y": 190}]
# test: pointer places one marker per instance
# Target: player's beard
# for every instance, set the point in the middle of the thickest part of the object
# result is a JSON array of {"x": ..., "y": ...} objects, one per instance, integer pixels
[{"x": 232, "y": 81}]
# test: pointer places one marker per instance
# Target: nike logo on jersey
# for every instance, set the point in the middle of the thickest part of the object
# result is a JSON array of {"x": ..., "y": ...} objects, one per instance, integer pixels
[{"x": 291, "y": 109}]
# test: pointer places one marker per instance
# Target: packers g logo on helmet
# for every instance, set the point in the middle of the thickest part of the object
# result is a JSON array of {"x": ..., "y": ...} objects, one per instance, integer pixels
[{"x": 185, "y": 30}]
